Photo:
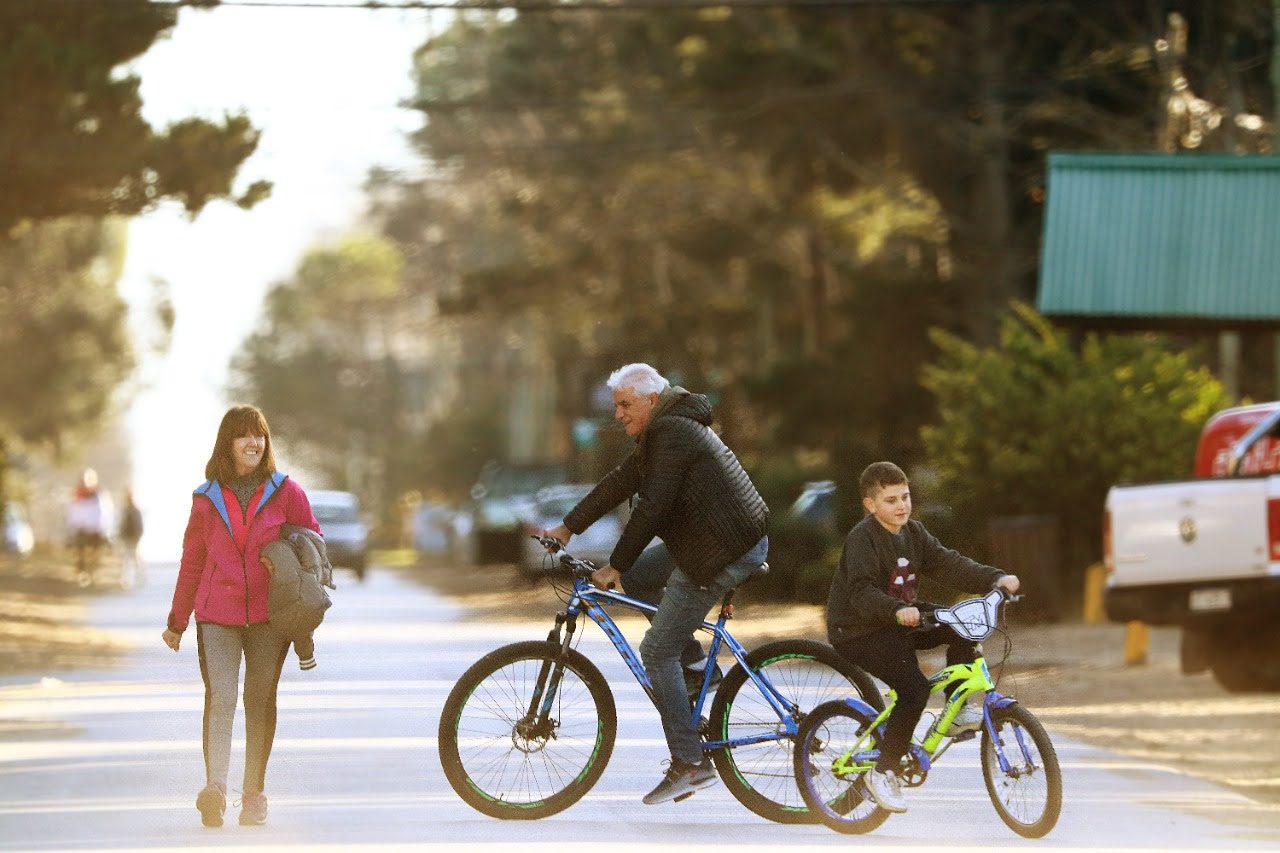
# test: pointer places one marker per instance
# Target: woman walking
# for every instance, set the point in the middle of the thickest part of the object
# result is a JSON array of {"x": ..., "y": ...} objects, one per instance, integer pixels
[{"x": 234, "y": 513}]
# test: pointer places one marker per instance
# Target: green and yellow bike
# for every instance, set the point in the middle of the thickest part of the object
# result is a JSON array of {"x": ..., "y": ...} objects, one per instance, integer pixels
[{"x": 838, "y": 742}]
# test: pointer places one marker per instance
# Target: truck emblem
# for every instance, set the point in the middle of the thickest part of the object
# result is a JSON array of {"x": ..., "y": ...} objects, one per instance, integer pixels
[{"x": 1187, "y": 529}]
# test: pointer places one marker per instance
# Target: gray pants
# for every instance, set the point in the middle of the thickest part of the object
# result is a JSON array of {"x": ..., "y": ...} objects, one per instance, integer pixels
[
  {"x": 221, "y": 649},
  {"x": 681, "y": 611}
]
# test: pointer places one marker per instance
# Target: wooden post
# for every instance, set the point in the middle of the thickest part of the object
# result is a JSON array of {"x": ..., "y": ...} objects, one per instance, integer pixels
[
  {"x": 1095, "y": 578},
  {"x": 1137, "y": 638}
]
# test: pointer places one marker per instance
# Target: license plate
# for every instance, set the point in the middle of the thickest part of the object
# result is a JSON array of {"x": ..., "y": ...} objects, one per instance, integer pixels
[{"x": 1211, "y": 599}]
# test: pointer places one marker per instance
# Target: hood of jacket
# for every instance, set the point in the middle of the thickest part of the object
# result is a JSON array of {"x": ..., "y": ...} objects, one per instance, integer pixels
[{"x": 676, "y": 402}]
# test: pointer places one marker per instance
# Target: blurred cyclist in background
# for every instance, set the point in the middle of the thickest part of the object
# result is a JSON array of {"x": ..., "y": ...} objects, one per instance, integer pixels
[{"x": 89, "y": 520}]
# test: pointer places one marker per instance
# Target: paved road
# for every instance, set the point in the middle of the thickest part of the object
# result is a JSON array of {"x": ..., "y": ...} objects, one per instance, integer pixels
[{"x": 110, "y": 760}]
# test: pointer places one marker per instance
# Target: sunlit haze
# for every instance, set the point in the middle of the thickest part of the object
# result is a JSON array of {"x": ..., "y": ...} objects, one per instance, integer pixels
[{"x": 324, "y": 86}]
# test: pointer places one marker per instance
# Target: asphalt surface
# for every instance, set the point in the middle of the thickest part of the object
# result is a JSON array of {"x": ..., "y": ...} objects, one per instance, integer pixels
[{"x": 110, "y": 759}]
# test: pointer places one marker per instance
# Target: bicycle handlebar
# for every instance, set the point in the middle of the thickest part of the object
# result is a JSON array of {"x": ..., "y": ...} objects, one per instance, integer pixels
[
  {"x": 972, "y": 618},
  {"x": 580, "y": 568}
]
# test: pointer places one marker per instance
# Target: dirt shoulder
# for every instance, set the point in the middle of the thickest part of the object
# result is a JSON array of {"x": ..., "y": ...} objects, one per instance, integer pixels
[
  {"x": 1072, "y": 675},
  {"x": 42, "y": 618}
]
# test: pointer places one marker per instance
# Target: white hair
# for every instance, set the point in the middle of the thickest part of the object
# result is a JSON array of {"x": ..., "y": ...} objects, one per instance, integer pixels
[{"x": 640, "y": 378}]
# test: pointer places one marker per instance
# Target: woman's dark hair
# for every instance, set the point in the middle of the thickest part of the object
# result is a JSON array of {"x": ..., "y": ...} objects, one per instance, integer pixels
[{"x": 237, "y": 422}]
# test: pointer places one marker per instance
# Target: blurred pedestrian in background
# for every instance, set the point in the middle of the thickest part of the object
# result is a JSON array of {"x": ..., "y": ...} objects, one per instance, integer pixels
[
  {"x": 129, "y": 535},
  {"x": 89, "y": 520},
  {"x": 238, "y": 510}
]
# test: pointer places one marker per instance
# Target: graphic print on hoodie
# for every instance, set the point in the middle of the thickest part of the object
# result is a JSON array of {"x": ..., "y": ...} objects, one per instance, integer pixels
[{"x": 903, "y": 582}]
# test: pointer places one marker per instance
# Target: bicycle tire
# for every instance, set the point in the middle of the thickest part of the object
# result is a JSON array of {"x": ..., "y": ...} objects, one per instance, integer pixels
[
  {"x": 839, "y": 802},
  {"x": 504, "y": 772},
  {"x": 808, "y": 673},
  {"x": 1040, "y": 789}
]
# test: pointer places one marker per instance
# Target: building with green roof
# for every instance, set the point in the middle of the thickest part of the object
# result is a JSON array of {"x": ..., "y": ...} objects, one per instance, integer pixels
[{"x": 1163, "y": 241}]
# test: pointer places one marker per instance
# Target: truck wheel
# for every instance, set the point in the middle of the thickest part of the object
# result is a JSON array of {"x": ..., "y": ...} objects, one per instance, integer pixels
[
  {"x": 1193, "y": 651},
  {"x": 1245, "y": 664}
]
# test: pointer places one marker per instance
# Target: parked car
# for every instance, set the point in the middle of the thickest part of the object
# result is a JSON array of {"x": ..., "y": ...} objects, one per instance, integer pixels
[
  {"x": 499, "y": 500},
  {"x": 345, "y": 534},
  {"x": 433, "y": 530},
  {"x": 18, "y": 537},
  {"x": 817, "y": 504},
  {"x": 548, "y": 509}
]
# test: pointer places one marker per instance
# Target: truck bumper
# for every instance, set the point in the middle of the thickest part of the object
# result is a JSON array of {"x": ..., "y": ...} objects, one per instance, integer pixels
[{"x": 1170, "y": 604}]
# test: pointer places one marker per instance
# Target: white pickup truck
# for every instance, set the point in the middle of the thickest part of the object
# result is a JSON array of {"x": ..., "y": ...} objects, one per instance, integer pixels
[{"x": 1205, "y": 553}]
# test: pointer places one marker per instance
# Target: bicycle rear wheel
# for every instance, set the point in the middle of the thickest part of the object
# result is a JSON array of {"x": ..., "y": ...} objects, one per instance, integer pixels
[
  {"x": 806, "y": 673},
  {"x": 507, "y": 763},
  {"x": 1028, "y": 797},
  {"x": 839, "y": 798}
]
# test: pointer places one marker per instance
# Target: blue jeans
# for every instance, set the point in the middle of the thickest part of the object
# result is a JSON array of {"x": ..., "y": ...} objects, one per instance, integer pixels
[
  {"x": 682, "y": 610},
  {"x": 647, "y": 580}
]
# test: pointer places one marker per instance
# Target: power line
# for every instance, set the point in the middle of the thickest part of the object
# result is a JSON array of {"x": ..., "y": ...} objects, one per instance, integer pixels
[{"x": 556, "y": 5}]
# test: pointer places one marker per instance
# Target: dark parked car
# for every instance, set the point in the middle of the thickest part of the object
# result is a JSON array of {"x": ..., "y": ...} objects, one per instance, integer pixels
[
  {"x": 345, "y": 535},
  {"x": 499, "y": 499}
]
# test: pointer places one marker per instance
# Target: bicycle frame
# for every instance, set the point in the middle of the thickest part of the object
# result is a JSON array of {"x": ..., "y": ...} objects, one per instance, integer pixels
[
  {"x": 969, "y": 678},
  {"x": 590, "y": 601}
]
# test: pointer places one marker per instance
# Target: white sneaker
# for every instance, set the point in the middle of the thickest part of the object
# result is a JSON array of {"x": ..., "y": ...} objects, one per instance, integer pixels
[
  {"x": 969, "y": 718},
  {"x": 886, "y": 791}
]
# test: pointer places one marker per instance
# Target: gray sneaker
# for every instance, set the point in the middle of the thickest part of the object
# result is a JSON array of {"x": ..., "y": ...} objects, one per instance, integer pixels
[
  {"x": 886, "y": 791},
  {"x": 212, "y": 804},
  {"x": 681, "y": 781},
  {"x": 253, "y": 808},
  {"x": 969, "y": 718}
]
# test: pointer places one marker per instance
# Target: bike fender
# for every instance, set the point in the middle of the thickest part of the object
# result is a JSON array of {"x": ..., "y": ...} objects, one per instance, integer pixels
[
  {"x": 861, "y": 706},
  {"x": 996, "y": 703}
]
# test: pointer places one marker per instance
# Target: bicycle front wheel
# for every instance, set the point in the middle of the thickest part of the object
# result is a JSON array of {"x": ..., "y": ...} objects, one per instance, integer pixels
[
  {"x": 830, "y": 777},
  {"x": 1028, "y": 796},
  {"x": 506, "y": 759},
  {"x": 806, "y": 673}
]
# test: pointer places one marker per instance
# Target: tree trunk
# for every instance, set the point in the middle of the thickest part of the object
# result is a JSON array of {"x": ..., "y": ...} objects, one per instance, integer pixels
[{"x": 992, "y": 282}]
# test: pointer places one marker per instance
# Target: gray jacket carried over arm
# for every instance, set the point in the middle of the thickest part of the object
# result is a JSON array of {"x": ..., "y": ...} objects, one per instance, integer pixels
[{"x": 296, "y": 600}]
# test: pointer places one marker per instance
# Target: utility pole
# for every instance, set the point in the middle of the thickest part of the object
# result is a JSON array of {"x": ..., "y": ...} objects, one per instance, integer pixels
[{"x": 1275, "y": 130}]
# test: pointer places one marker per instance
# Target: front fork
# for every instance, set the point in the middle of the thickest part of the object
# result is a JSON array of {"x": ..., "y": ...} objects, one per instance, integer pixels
[{"x": 551, "y": 673}]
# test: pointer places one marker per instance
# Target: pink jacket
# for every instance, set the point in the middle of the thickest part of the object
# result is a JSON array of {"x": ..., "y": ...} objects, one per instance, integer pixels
[{"x": 221, "y": 577}]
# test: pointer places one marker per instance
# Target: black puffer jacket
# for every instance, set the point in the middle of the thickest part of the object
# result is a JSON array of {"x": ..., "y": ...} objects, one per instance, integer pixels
[{"x": 691, "y": 491}]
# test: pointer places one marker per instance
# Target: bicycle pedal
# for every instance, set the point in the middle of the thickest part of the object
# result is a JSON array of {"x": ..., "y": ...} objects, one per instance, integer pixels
[
  {"x": 686, "y": 795},
  {"x": 964, "y": 736}
]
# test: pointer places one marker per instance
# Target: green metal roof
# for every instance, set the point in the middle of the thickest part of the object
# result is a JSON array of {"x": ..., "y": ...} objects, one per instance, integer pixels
[{"x": 1160, "y": 236}]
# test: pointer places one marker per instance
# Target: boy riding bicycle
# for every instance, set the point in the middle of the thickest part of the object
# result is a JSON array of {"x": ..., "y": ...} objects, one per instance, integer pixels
[{"x": 872, "y": 612}]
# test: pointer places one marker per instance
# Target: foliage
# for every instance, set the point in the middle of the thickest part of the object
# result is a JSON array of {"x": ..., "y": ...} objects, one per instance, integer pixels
[
  {"x": 795, "y": 545},
  {"x": 322, "y": 365},
  {"x": 72, "y": 138},
  {"x": 64, "y": 345},
  {"x": 1037, "y": 426},
  {"x": 724, "y": 192},
  {"x": 712, "y": 189}
]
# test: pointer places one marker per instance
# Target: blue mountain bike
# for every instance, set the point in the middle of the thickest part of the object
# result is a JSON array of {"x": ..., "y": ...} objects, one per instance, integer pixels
[{"x": 529, "y": 728}]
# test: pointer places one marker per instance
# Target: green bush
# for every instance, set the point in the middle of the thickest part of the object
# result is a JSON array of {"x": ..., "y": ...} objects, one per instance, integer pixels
[
  {"x": 793, "y": 544},
  {"x": 1037, "y": 426}
]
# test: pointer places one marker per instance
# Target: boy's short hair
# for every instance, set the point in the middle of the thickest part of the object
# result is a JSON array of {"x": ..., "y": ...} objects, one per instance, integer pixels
[{"x": 877, "y": 475}]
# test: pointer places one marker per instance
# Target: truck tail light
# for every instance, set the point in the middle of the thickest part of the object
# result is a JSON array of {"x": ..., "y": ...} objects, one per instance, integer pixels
[
  {"x": 1109, "y": 560},
  {"x": 1273, "y": 529}
]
